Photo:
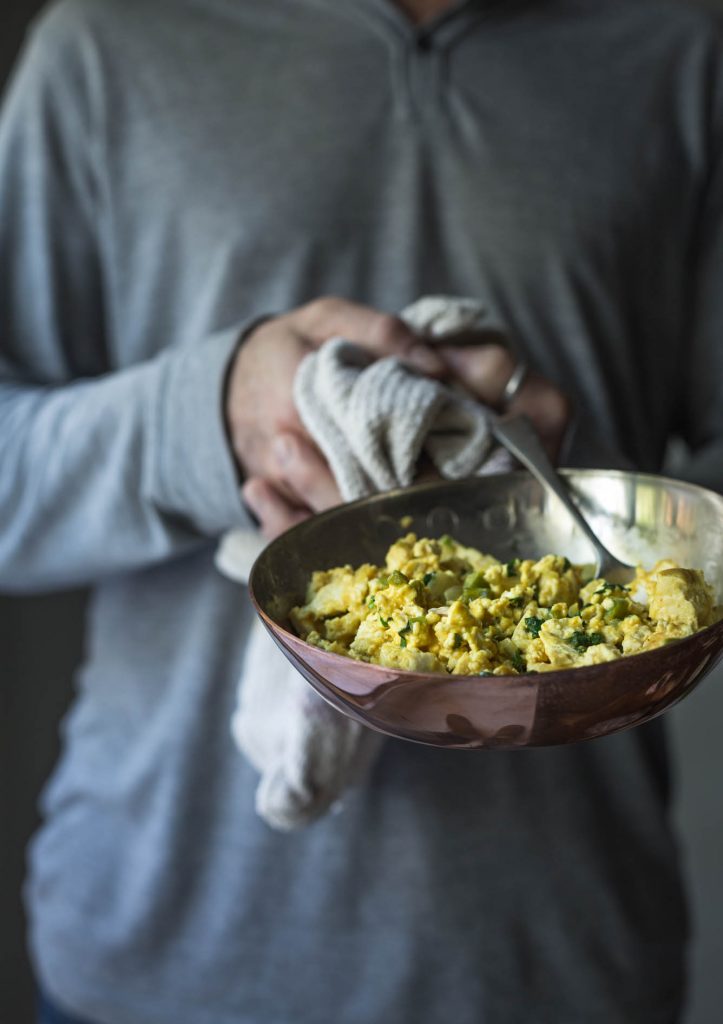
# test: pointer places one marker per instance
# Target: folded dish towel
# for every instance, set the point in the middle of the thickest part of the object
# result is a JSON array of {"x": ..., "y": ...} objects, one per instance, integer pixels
[{"x": 372, "y": 420}]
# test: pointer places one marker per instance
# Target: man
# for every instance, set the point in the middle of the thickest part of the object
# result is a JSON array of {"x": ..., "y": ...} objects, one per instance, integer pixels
[{"x": 171, "y": 173}]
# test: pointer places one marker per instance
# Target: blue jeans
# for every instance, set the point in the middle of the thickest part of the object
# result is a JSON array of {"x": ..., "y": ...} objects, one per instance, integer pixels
[{"x": 50, "y": 1014}]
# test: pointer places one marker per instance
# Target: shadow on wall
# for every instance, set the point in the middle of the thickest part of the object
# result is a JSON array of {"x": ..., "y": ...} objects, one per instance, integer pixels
[
  {"x": 40, "y": 644},
  {"x": 40, "y": 640},
  {"x": 695, "y": 731}
]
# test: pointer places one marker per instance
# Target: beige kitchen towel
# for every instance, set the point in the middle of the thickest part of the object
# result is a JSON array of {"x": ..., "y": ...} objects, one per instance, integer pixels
[{"x": 372, "y": 419}]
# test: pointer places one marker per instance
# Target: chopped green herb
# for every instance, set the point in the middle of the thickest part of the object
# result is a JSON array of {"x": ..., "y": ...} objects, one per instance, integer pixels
[
  {"x": 471, "y": 593},
  {"x": 605, "y": 586},
  {"x": 371, "y": 601},
  {"x": 457, "y": 641},
  {"x": 428, "y": 577},
  {"x": 383, "y": 582},
  {"x": 517, "y": 601},
  {"x": 384, "y": 622},
  {"x": 518, "y": 662},
  {"x": 533, "y": 625},
  {"x": 398, "y": 578},
  {"x": 447, "y": 540},
  {"x": 511, "y": 567},
  {"x": 566, "y": 564},
  {"x": 407, "y": 629},
  {"x": 581, "y": 640}
]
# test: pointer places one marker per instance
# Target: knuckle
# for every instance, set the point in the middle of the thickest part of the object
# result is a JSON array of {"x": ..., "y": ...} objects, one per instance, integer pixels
[
  {"x": 300, "y": 470},
  {"x": 301, "y": 476},
  {"x": 321, "y": 306},
  {"x": 501, "y": 362},
  {"x": 490, "y": 361},
  {"x": 489, "y": 367},
  {"x": 390, "y": 332}
]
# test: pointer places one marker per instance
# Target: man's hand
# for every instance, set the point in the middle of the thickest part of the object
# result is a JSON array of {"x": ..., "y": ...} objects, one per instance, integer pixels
[
  {"x": 304, "y": 471},
  {"x": 485, "y": 369},
  {"x": 287, "y": 477}
]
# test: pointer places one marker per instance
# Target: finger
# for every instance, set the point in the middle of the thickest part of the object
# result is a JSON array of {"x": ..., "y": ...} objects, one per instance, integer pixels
[
  {"x": 473, "y": 337},
  {"x": 304, "y": 470},
  {"x": 380, "y": 333},
  {"x": 483, "y": 370},
  {"x": 273, "y": 511},
  {"x": 486, "y": 370},
  {"x": 548, "y": 409}
]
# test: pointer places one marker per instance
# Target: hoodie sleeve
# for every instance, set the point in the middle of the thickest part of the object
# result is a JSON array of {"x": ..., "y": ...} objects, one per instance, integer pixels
[{"x": 101, "y": 470}]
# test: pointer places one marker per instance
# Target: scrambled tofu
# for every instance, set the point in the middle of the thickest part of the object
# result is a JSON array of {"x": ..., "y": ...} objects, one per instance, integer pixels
[{"x": 438, "y": 606}]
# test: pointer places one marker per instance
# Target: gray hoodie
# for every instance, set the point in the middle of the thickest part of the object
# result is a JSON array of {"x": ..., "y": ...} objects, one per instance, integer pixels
[{"x": 168, "y": 172}]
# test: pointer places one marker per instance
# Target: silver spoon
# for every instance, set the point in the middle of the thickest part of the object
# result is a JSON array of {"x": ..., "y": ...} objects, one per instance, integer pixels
[{"x": 519, "y": 437}]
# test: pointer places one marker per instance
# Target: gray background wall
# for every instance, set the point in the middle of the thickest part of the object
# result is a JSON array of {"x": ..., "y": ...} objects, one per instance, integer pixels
[{"x": 40, "y": 641}]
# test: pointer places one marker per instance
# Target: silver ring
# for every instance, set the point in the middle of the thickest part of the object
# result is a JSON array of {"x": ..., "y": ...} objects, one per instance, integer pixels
[{"x": 513, "y": 385}]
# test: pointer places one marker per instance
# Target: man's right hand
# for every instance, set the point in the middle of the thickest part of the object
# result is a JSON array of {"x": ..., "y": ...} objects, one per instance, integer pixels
[
  {"x": 287, "y": 477},
  {"x": 274, "y": 452}
]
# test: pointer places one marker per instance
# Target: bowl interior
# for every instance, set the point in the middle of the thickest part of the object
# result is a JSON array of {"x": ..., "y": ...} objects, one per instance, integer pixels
[{"x": 640, "y": 517}]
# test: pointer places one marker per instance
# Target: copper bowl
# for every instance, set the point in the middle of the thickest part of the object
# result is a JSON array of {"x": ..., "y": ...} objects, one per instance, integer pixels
[{"x": 640, "y": 517}]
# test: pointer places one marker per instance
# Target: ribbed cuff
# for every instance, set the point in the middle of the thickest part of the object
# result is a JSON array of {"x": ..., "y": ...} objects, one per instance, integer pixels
[{"x": 195, "y": 472}]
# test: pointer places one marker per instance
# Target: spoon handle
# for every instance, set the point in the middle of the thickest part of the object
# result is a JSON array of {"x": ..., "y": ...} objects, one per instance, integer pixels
[{"x": 520, "y": 438}]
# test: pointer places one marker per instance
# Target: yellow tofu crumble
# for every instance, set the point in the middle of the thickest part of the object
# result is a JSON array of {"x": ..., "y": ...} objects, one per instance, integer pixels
[{"x": 439, "y": 606}]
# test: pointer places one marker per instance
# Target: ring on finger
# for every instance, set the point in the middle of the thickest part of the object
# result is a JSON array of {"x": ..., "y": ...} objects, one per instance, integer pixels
[{"x": 514, "y": 384}]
